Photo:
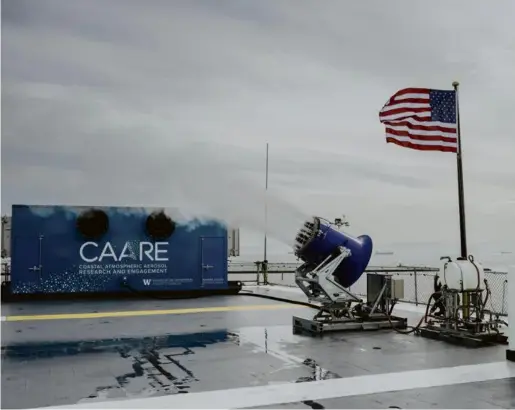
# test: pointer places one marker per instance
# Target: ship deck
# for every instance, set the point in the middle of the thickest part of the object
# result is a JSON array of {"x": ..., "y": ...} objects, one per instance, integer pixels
[{"x": 232, "y": 352}]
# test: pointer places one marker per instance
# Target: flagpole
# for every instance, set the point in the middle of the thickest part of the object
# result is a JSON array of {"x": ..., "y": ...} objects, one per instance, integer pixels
[{"x": 459, "y": 163}]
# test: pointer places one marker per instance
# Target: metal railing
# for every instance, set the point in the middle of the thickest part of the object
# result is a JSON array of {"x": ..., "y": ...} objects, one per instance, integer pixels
[
  {"x": 418, "y": 281},
  {"x": 6, "y": 271}
]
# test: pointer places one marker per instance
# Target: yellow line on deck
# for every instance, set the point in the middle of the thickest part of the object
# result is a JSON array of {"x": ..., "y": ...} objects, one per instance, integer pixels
[{"x": 133, "y": 313}]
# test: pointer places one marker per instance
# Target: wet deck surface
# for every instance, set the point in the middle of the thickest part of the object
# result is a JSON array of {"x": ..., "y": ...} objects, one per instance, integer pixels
[{"x": 244, "y": 342}]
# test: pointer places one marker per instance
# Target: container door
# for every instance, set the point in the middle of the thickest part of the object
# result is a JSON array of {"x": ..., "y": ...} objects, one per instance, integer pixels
[
  {"x": 213, "y": 262},
  {"x": 26, "y": 264}
]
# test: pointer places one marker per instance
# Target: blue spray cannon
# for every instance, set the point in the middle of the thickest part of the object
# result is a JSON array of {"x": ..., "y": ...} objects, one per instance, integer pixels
[
  {"x": 333, "y": 262},
  {"x": 319, "y": 243}
]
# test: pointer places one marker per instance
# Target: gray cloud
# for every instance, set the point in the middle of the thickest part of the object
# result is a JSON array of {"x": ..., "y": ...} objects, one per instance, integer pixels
[{"x": 163, "y": 103}]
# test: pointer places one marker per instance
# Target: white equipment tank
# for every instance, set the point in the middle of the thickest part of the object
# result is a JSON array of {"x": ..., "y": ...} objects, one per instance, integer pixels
[{"x": 463, "y": 275}]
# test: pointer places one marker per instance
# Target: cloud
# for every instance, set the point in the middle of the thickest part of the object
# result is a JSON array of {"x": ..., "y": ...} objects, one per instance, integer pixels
[{"x": 162, "y": 103}]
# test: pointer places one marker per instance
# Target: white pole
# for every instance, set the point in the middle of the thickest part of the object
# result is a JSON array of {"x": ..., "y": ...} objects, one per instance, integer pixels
[{"x": 510, "y": 352}]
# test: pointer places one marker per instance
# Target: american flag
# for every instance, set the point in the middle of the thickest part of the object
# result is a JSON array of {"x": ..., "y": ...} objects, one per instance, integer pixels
[{"x": 421, "y": 119}]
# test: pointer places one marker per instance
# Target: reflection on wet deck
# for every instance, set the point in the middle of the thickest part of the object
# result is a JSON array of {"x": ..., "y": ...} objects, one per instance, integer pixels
[{"x": 154, "y": 365}]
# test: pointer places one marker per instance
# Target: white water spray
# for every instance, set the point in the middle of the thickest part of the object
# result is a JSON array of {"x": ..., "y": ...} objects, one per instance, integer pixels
[{"x": 211, "y": 183}]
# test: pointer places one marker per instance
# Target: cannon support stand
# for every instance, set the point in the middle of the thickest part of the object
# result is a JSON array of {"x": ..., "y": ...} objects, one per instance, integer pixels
[{"x": 340, "y": 310}]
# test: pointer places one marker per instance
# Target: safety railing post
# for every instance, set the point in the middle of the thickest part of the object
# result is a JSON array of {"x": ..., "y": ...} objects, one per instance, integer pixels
[
  {"x": 504, "y": 284},
  {"x": 416, "y": 285},
  {"x": 258, "y": 264}
]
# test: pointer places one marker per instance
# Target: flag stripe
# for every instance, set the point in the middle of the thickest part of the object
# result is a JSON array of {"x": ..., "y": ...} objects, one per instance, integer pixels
[
  {"x": 403, "y": 97},
  {"x": 412, "y": 99},
  {"x": 418, "y": 120},
  {"x": 422, "y": 147},
  {"x": 403, "y": 106},
  {"x": 423, "y": 126},
  {"x": 421, "y": 136},
  {"x": 422, "y": 142},
  {"x": 423, "y": 116},
  {"x": 407, "y": 109},
  {"x": 412, "y": 90}
]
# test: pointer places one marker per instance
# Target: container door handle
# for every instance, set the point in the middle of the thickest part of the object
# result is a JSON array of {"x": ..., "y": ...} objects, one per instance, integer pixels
[{"x": 207, "y": 267}]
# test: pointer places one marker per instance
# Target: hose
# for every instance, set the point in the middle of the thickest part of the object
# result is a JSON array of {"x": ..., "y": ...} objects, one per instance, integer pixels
[
  {"x": 241, "y": 293},
  {"x": 411, "y": 329},
  {"x": 488, "y": 291},
  {"x": 471, "y": 260},
  {"x": 295, "y": 302}
]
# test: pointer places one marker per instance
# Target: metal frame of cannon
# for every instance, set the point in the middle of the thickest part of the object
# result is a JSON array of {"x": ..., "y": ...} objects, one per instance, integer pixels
[{"x": 341, "y": 310}]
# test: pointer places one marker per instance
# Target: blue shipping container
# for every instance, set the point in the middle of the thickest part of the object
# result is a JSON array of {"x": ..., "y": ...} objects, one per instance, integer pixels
[{"x": 64, "y": 249}]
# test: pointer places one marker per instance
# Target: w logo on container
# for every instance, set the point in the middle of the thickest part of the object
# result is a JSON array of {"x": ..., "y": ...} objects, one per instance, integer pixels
[{"x": 147, "y": 282}]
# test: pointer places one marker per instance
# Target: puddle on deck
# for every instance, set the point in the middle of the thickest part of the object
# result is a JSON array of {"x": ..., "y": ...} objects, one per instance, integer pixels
[{"x": 55, "y": 373}]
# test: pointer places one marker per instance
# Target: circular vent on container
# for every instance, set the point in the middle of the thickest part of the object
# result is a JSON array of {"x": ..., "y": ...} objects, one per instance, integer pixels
[
  {"x": 159, "y": 226},
  {"x": 93, "y": 223}
]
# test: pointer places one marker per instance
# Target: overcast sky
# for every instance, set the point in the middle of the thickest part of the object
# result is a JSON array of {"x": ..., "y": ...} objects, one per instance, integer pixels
[{"x": 160, "y": 102}]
